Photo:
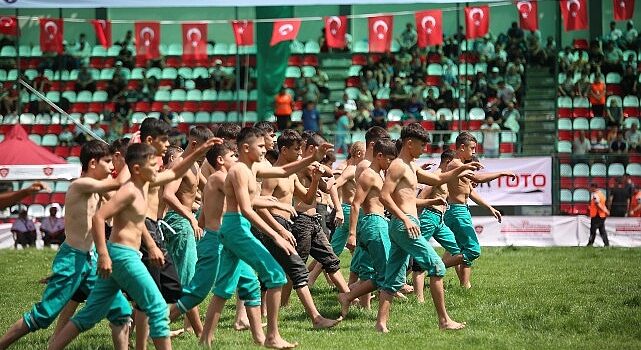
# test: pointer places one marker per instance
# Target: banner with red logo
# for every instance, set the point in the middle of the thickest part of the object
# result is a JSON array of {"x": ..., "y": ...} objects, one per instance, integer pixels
[
  {"x": 622, "y": 232},
  {"x": 429, "y": 27},
  {"x": 51, "y": 34},
  {"x": 575, "y": 14},
  {"x": 539, "y": 231},
  {"x": 147, "y": 40},
  {"x": 381, "y": 29},
  {"x": 335, "y": 29},
  {"x": 194, "y": 41},
  {"x": 39, "y": 172},
  {"x": 243, "y": 32},
  {"x": 623, "y": 9},
  {"x": 9, "y": 25},
  {"x": 477, "y": 21},
  {"x": 284, "y": 30},
  {"x": 528, "y": 14},
  {"x": 103, "y": 32}
]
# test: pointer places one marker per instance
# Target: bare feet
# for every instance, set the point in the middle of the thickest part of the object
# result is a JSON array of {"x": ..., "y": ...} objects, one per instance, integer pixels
[
  {"x": 321, "y": 322},
  {"x": 382, "y": 328},
  {"x": 345, "y": 303},
  {"x": 467, "y": 285},
  {"x": 450, "y": 325},
  {"x": 279, "y": 343},
  {"x": 400, "y": 295},
  {"x": 407, "y": 289},
  {"x": 241, "y": 325},
  {"x": 176, "y": 333}
]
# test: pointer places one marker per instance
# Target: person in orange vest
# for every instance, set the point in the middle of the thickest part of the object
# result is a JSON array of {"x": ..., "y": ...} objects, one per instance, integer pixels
[
  {"x": 635, "y": 204},
  {"x": 283, "y": 109},
  {"x": 598, "y": 213}
]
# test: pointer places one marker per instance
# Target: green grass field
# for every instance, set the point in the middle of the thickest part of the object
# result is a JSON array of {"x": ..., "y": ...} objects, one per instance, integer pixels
[{"x": 522, "y": 298}]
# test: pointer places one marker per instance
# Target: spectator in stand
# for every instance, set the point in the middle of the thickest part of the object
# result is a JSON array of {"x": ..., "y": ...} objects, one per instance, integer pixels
[
  {"x": 619, "y": 145},
  {"x": 311, "y": 117},
  {"x": 379, "y": 115},
  {"x": 361, "y": 119},
  {"x": 441, "y": 124},
  {"x": 122, "y": 109},
  {"x": 283, "y": 107},
  {"x": 633, "y": 138},
  {"x": 595, "y": 55},
  {"x": 399, "y": 97},
  {"x": 613, "y": 60},
  {"x": 371, "y": 81},
  {"x": 24, "y": 231},
  {"x": 515, "y": 33},
  {"x": 580, "y": 147},
  {"x": 619, "y": 199},
  {"x": 309, "y": 91},
  {"x": 582, "y": 87},
  {"x": 511, "y": 117},
  {"x": 491, "y": 134},
  {"x": 126, "y": 58},
  {"x": 535, "y": 52},
  {"x": 85, "y": 80},
  {"x": 448, "y": 75},
  {"x": 550, "y": 52},
  {"x": 631, "y": 35},
  {"x": 217, "y": 76},
  {"x": 150, "y": 86},
  {"x": 614, "y": 114},
  {"x": 81, "y": 50},
  {"x": 167, "y": 115},
  {"x": 365, "y": 97},
  {"x": 64, "y": 60},
  {"x": 66, "y": 137},
  {"x": 486, "y": 50},
  {"x": 445, "y": 97},
  {"x": 41, "y": 82},
  {"x": 629, "y": 81},
  {"x": 408, "y": 37},
  {"x": 347, "y": 103},
  {"x": 100, "y": 132},
  {"x": 343, "y": 126},
  {"x": 321, "y": 79},
  {"x": 505, "y": 94},
  {"x": 615, "y": 33},
  {"x": 601, "y": 143},
  {"x": 52, "y": 228},
  {"x": 431, "y": 101},
  {"x": 7, "y": 101},
  {"x": 117, "y": 83},
  {"x": 597, "y": 96},
  {"x": 493, "y": 81},
  {"x": 116, "y": 130},
  {"x": 513, "y": 78},
  {"x": 128, "y": 40},
  {"x": 598, "y": 213}
]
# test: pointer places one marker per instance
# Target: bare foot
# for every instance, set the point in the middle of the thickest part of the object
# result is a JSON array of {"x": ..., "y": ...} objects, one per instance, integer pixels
[
  {"x": 451, "y": 325},
  {"x": 260, "y": 341},
  {"x": 176, "y": 333},
  {"x": 345, "y": 303},
  {"x": 400, "y": 295},
  {"x": 321, "y": 322},
  {"x": 279, "y": 343},
  {"x": 206, "y": 343},
  {"x": 241, "y": 325},
  {"x": 382, "y": 328},
  {"x": 421, "y": 300},
  {"x": 407, "y": 289},
  {"x": 468, "y": 285}
]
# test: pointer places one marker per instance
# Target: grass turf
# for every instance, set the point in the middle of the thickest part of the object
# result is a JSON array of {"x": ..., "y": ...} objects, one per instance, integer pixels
[{"x": 522, "y": 298}]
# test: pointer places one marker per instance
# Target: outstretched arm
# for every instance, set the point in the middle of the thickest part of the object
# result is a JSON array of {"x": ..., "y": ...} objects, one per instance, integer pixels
[
  {"x": 476, "y": 198},
  {"x": 434, "y": 179},
  {"x": 10, "y": 198},
  {"x": 487, "y": 177},
  {"x": 291, "y": 168},
  {"x": 179, "y": 169}
]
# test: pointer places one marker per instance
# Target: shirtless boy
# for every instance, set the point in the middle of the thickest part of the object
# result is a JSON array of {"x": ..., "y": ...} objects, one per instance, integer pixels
[
  {"x": 74, "y": 266},
  {"x": 458, "y": 217},
  {"x": 398, "y": 194}
]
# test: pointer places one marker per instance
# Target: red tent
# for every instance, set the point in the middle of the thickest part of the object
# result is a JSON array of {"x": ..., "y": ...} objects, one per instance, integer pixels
[{"x": 22, "y": 159}]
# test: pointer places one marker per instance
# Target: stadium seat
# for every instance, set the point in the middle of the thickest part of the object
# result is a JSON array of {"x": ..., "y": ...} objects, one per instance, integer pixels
[
  {"x": 627, "y": 122},
  {"x": 27, "y": 118},
  {"x": 434, "y": 69},
  {"x": 58, "y": 198},
  {"x": 292, "y": 72},
  {"x": 581, "y": 173},
  {"x": 564, "y": 124},
  {"x": 446, "y": 112},
  {"x": 352, "y": 93},
  {"x": 138, "y": 117},
  {"x": 225, "y": 95},
  {"x": 36, "y": 210},
  {"x": 177, "y": 95},
  {"x": 616, "y": 169},
  {"x": 598, "y": 169},
  {"x": 209, "y": 95},
  {"x": 581, "y": 195},
  {"x": 395, "y": 115},
  {"x": 597, "y": 123},
  {"x": 37, "y": 139},
  {"x": 218, "y": 117},
  {"x": 50, "y": 140},
  {"x": 631, "y": 106},
  {"x": 233, "y": 117},
  {"x": 360, "y": 46},
  {"x": 38, "y": 129},
  {"x": 613, "y": 78},
  {"x": 580, "y": 124},
  {"x": 477, "y": 114},
  {"x": 633, "y": 169},
  {"x": 312, "y": 47},
  {"x": 203, "y": 118},
  {"x": 162, "y": 96},
  {"x": 565, "y": 195}
]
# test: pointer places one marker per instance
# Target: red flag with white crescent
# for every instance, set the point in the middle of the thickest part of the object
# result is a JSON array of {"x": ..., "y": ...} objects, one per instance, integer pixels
[
  {"x": 194, "y": 41},
  {"x": 477, "y": 21},
  {"x": 335, "y": 29},
  {"x": 103, "y": 31},
  {"x": 285, "y": 29},
  {"x": 243, "y": 32},
  {"x": 575, "y": 14},
  {"x": 528, "y": 14},
  {"x": 380, "y": 33},
  {"x": 9, "y": 25},
  {"x": 623, "y": 9},
  {"x": 429, "y": 27},
  {"x": 51, "y": 34},
  {"x": 147, "y": 39}
]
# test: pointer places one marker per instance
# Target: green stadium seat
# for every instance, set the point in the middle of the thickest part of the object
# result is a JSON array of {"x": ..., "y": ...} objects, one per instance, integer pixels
[
  {"x": 37, "y": 139},
  {"x": 138, "y": 117},
  {"x": 580, "y": 195},
  {"x": 218, "y": 117},
  {"x": 153, "y": 72},
  {"x": 114, "y": 51},
  {"x": 84, "y": 97},
  {"x": 627, "y": 122},
  {"x": 24, "y": 51},
  {"x": 137, "y": 74},
  {"x": 252, "y": 117},
  {"x": 225, "y": 96},
  {"x": 633, "y": 169},
  {"x": 91, "y": 118},
  {"x": 54, "y": 96},
  {"x": 186, "y": 117},
  {"x": 352, "y": 92},
  {"x": 106, "y": 74},
  {"x": 565, "y": 170},
  {"x": 175, "y": 50},
  {"x": 203, "y": 118},
  {"x": 297, "y": 47},
  {"x": 27, "y": 118},
  {"x": 598, "y": 169},
  {"x": 50, "y": 140},
  {"x": 233, "y": 117},
  {"x": 200, "y": 72},
  {"x": 69, "y": 95},
  {"x": 169, "y": 73},
  {"x": 162, "y": 96},
  {"x": 194, "y": 95},
  {"x": 61, "y": 186},
  {"x": 221, "y": 49},
  {"x": 185, "y": 72},
  {"x": 253, "y": 95},
  {"x": 232, "y": 49},
  {"x": 394, "y": 115},
  {"x": 241, "y": 95},
  {"x": 43, "y": 119},
  {"x": 597, "y": 123},
  {"x": 308, "y": 71},
  {"x": 297, "y": 116},
  {"x": 616, "y": 169},
  {"x": 99, "y": 51},
  {"x": 565, "y": 196},
  {"x": 8, "y": 51},
  {"x": 178, "y": 95},
  {"x": 292, "y": 72},
  {"x": 582, "y": 170},
  {"x": 209, "y": 95},
  {"x": 312, "y": 47},
  {"x": 564, "y": 147}
]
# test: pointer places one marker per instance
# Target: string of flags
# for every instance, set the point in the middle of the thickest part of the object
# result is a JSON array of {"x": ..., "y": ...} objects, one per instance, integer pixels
[{"x": 428, "y": 27}]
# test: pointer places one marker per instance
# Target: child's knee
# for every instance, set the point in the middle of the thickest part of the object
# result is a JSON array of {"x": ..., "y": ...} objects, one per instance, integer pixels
[
  {"x": 472, "y": 253},
  {"x": 331, "y": 264}
]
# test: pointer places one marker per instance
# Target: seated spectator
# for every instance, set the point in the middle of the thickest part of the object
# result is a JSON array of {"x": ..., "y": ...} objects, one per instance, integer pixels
[
  {"x": 595, "y": 55},
  {"x": 614, "y": 114},
  {"x": 431, "y": 101},
  {"x": 581, "y": 145},
  {"x": 81, "y": 50},
  {"x": 536, "y": 52},
  {"x": 619, "y": 145},
  {"x": 441, "y": 125},
  {"x": 371, "y": 81},
  {"x": 566, "y": 88},
  {"x": 122, "y": 109},
  {"x": 633, "y": 138},
  {"x": 41, "y": 82},
  {"x": 445, "y": 97},
  {"x": 343, "y": 126},
  {"x": 308, "y": 91},
  {"x": 321, "y": 79},
  {"x": 493, "y": 81},
  {"x": 167, "y": 115},
  {"x": 128, "y": 40},
  {"x": 116, "y": 85},
  {"x": 597, "y": 96},
  {"x": 66, "y": 137},
  {"x": 491, "y": 134},
  {"x": 149, "y": 88},
  {"x": 550, "y": 51},
  {"x": 365, "y": 97},
  {"x": 513, "y": 79},
  {"x": 64, "y": 60},
  {"x": 486, "y": 50},
  {"x": 362, "y": 119},
  {"x": 7, "y": 101},
  {"x": 116, "y": 130},
  {"x": 515, "y": 33},
  {"x": 631, "y": 35},
  {"x": 52, "y": 228},
  {"x": 398, "y": 96},
  {"x": 601, "y": 144},
  {"x": 126, "y": 58},
  {"x": 218, "y": 77},
  {"x": 582, "y": 87},
  {"x": 613, "y": 60},
  {"x": 379, "y": 115},
  {"x": 24, "y": 231},
  {"x": 311, "y": 117},
  {"x": 629, "y": 81},
  {"x": 85, "y": 80},
  {"x": 408, "y": 37},
  {"x": 511, "y": 117},
  {"x": 98, "y": 131},
  {"x": 615, "y": 33},
  {"x": 448, "y": 75},
  {"x": 505, "y": 94}
]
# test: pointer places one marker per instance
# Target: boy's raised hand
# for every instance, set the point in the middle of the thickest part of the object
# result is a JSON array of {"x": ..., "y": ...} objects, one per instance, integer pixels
[{"x": 322, "y": 150}]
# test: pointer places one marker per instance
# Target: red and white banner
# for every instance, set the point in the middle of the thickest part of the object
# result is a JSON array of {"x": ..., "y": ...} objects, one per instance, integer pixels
[
  {"x": 575, "y": 14},
  {"x": 335, "y": 29},
  {"x": 622, "y": 232},
  {"x": 9, "y": 25},
  {"x": 429, "y": 27},
  {"x": 477, "y": 21},
  {"x": 243, "y": 32},
  {"x": 147, "y": 40},
  {"x": 194, "y": 41},
  {"x": 380, "y": 33},
  {"x": 103, "y": 32},
  {"x": 51, "y": 34},
  {"x": 528, "y": 14},
  {"x": 39, "y": 172},
  {"x": 623, "y": 9},
  {"x": 539, "y": 231},
  {"x": 284, "y": 30},
  {"x": 532, "y": 185}
]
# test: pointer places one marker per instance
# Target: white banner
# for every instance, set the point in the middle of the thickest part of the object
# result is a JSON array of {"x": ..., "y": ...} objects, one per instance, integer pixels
[
  {"x": 39, "y": 172},
  {"x": 622, "y": 232},
  {"x": 200, "y": 3},
  {"x": 532, "y": 186},
  {"x": 539, "y": 231}
]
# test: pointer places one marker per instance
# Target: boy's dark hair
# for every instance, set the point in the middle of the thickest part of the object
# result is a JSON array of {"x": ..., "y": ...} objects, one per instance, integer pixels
[
  {"x": 414, "y": 131},
  {"x": 306, "y": 134},
  {"x": 386, "y": 147},
  {"x": 447, "y": 156},
  {"x": 288, "y": 138},
  {"x": 228, "y": 131},
  {"x": 399, "y": 145},
  {"x": 93, "y": 149},
  {"x": 247, "y": 133},
  {"x": 329, "y": 158},
  {"x": 171, "y": 150},
  {"x": 154, "y": 128},
  {"x": 139, "y": 153},
  {"x": 201, "y": 133},
  {"x": 271, "y": 155},
  {"x": 464, "y": 138},
  {"x": 315, "y": 139},
  {"x": 375, "y": 133},
  {"x": 120, "y": 145},
  {"x": 219, "y": 150},
  {"x": 265, "y": 126}
]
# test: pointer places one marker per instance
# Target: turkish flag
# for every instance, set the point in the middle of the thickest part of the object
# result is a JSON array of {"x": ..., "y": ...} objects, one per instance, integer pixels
[
  {"x": 528, "y": 14},
  {"x": 335, "y": 29},
  {"x": 51, "y": 34},
  {"x": 575, "y": 14},
  {"x": 380, "y": 33},
  {"x": 194, "y": 41},
  {"x": 103, "y": 31},
  {"x": 477, "y": 21},
  {"x": 147, "y": 40},
  {"x": 9, "y": 25},
  {"x": 285, "y": 29},
  {"x": 623, "y": 9},
  {"x": 243, "y": 32},
  {"x": 429, "y": 27}
]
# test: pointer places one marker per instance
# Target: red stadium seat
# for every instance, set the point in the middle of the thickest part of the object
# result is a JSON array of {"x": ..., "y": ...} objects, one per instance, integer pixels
[
  {"x": 62, "y": 151},
  {"x": 602, "y": 182},
  {"x": 359, "y": 60},
  {"x": 175, "y": 105},
  {"x": 174, "y": 62},
  {"x": 102, "y": 85},
  {"x": 96, "y": 62},
  {"x": 581, "y": 44},
  {"x": 54, "y": 129},
  {"x": 581, "y": 112},
  {"x": 109, "y": 106},
  {"x": 75, "y": 151},
  {"x": 290, "y": 83},
  {"x": 613, "y": 89},
  {"x": 42, "y": 198},
  {"x": 581, "y": 182},
  {"x": 353, "y": 82},
  {"x": 567, "y": 183},
  {"x": 580, "y": 209},
  {"x": 5, "y": 128},
  {"x": 133, "y": 84},
  {"x": 428, "y": 125},
  {"x": 631, "y": 111},
  {"x": 156, "y": 106},
  {"x": 27, "y": 200},
  {"x": 295, "y": 60},
  {"x": 506, "y": 148},
  {"x": 434, "y": 58},
  {"x": 39, "y": 129},
  {"x": 207, "y": 106},
  {"x": 190, "y": 106},
  {"x": 80, "y": 108},
  {"x": 142, "y": 107},
  {"x": 58, "y": 198},
  {"x": 565, "y": 135},
  {"x": 251, "y": 106},
  {"x": 433, "y": 80},
  {"x": 566, "y": 208},
  {"x": 229, "y": 61},
  {"x": 310, "y": 60},
  {"x": 96, "y": 107}
]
